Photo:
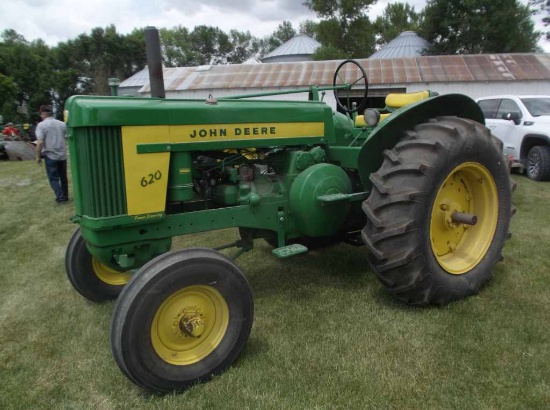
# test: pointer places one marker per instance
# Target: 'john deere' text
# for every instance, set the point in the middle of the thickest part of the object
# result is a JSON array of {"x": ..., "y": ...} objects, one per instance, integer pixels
[{"x": 222, "y": 132}]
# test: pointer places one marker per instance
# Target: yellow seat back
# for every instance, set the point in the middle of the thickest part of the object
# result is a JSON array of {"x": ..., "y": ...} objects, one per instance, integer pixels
[{"x": 400, "y": 100}]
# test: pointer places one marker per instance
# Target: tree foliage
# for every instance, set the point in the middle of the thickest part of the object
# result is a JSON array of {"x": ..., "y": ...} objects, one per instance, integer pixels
[
  {"x": 206, "y": 45},
  {"x": 8, "y": 93},
  {"x": 282, "y": 34},
  {"x": 25, "y": 67},
  {"x": 102, "y": 54},
  {"x": 542, "y": 8},
  {"x": 33, "y": 74},
  {"x": 345, "y": 30},
  {"x": 342, "y": 10},
  {"x": 309, "y": 28},
  {"x": 478, "y": 26},
  {"x": 397, "y": 18}
]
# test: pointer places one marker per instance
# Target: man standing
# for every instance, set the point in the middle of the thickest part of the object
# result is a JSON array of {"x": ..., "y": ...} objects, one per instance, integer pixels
[{"x": 51, "y": 135}]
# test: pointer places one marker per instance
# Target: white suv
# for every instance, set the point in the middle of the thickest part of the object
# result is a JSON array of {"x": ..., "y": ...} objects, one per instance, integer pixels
[{"x": 522, "y": 123}]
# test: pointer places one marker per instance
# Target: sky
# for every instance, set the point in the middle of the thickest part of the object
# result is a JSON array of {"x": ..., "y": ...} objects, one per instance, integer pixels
[{"x": 61, "y": 20}]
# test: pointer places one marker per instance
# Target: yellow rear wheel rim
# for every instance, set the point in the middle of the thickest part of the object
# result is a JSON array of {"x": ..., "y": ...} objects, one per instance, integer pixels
[
  {"x": 469, "y": 188},
  {"x": 108, "y": 275},
  {"x": 189, "y": 325}
]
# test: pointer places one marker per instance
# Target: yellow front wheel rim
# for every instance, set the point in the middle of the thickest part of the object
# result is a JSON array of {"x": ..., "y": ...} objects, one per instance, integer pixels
[
  {"x": 471, "y": 189},
  {"x": 189, "y": 325},
  {"x": 108, "y": 275}
]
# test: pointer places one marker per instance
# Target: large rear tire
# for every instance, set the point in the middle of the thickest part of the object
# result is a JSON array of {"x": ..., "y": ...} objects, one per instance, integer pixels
[
  {"x": 92, "y": 279},
  {"x": 182, "y": 319},
  {"x": 419, "y": 251}
]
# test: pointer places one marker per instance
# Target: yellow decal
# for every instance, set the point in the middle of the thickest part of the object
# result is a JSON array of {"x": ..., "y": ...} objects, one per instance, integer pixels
[
  {"x": 241, "y": 132},
  {"x": 148, "y": 216},
  {"x": 146, "y": 176}
]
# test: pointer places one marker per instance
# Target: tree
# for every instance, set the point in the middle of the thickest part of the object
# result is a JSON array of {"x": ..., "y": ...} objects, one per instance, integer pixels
[
  {"x": 209, "y": 45},
  {"x": 309, "y": 28},
  {"x": 344, "y": 11},
  {"x": 397, "y": 18},
  {"x": 65, "y": 76},
  {"x": 176, "y": 47},
  {"x": 206, "y": 45},
  {"x": 329, "y": 53},
  {"x": 102, "y": 54},
  {"x": 542, "y": 7},
  {"x": 345, "y": 30},
  {"x": 478, "y": 26},
  {"x": 243, "y": 46},
  {"x": 27, "y": 66},
  {"x": 282, "y": 34},
  {"x": 8, "y": 92}
]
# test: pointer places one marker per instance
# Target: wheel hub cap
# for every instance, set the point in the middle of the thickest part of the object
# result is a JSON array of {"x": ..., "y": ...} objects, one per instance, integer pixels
[
  {"x": 534, "y": 164},
  {"x": 464, "y": 218},
  {"x": 189, "y": 325}
]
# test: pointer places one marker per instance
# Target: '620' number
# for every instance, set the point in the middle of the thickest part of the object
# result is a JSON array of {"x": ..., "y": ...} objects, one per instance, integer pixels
[{"x": 151, "y": 178}]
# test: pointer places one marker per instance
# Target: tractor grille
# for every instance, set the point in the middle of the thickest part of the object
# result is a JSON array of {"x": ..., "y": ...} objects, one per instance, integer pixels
[{"x": 100, "y": 169}]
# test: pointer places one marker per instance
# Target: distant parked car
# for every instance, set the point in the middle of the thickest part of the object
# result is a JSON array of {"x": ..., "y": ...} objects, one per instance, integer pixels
[{"x": 522, "y": 123}]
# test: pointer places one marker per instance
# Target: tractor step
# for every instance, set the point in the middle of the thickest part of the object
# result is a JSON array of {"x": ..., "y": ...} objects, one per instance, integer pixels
[{"x": 289, "y": 250}]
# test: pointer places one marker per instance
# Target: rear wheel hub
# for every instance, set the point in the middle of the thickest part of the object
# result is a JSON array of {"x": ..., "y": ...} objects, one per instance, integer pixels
[{"x": 464, "y": 218}]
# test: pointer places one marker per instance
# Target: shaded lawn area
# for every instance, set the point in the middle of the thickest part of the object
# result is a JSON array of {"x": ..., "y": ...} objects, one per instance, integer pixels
[{"x": 326, "y": 334}]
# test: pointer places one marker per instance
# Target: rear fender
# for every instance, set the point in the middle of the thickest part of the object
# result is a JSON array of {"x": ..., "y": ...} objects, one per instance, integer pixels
[{"x": 388, "y": 133}]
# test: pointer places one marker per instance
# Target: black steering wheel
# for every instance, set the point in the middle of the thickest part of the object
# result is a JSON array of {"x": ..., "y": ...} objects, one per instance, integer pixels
[{"x": 340, "y": 80}]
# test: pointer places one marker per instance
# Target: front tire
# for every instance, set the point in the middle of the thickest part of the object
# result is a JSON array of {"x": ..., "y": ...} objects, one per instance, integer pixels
[
  {"x": 538, "y": 163},
  {"x": 92, "y": 279},
  {"x": 446, "y": 167},
  {"x": 183, "y": 318}
]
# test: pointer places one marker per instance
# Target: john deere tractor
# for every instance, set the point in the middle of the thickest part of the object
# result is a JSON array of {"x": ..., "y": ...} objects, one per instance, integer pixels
[{"x": 422, "y": 183}]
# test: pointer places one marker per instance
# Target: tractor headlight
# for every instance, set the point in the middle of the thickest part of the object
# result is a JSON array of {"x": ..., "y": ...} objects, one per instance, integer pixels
[{"x": 372, "y": 117}]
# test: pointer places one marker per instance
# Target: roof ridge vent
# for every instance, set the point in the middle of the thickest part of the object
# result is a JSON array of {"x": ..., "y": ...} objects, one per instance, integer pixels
[{"x": 204, "y": 67}]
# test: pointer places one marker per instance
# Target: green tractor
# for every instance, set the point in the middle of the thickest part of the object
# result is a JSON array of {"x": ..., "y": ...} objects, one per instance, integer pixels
[{"x": 423, "y": 184}]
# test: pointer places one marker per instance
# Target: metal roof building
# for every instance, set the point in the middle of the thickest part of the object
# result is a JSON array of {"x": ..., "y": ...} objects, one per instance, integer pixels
[
  {"x": 473, "y": 75},
  {"x": 406, "y": 44},
  {"x": 298, "y": 48}
]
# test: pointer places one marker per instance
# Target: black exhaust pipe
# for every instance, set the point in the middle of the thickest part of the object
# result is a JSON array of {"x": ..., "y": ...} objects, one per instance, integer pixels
[{"x": 154, "y": 62}]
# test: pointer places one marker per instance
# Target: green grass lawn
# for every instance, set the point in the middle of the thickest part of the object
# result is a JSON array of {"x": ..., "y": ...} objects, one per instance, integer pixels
[{"x": 326, "y": 334}]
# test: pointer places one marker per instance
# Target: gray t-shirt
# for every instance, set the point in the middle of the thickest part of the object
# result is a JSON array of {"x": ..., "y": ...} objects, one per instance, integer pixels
[{"x": 53, "y": 134}]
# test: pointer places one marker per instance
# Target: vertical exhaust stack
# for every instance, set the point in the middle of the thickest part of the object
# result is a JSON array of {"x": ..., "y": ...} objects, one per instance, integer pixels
[{"x": 154, "y": 62}]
